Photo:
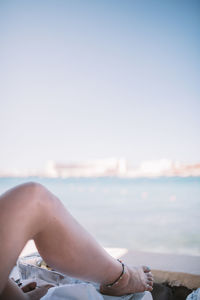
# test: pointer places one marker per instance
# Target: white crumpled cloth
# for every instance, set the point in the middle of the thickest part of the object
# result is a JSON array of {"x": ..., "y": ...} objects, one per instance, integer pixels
[
  {"x": 65, "y": 287},
  {"x": 87, "y": 291},
  {"x": 194, "y": 295}
]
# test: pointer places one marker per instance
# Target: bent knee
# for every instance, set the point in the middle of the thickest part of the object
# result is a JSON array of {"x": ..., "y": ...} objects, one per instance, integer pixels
[
  {"x": 34, "y": 191},
  {"x": 32, "y": 186},
  {"x": 31, "y": 196},
  {"x": 23, "y": 193},
  {"x": 41, "y": 198},
  {"x": 40, "y": 194},
  {"x": 30, "y": 189}
]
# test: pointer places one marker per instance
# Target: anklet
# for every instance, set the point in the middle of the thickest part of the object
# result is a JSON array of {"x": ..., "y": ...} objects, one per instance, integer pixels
[{"x": 120, "y": 277}]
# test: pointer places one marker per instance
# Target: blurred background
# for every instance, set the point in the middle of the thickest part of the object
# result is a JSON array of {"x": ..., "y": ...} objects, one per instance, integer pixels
[{"x": 100, "y": 102}]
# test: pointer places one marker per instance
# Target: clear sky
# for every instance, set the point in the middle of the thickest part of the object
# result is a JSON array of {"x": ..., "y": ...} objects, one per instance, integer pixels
[{"x": 95, "y": 79}]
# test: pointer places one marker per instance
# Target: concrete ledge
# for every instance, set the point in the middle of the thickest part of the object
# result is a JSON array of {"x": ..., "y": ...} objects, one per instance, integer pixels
[
  {"x": 165, "y": 262},
  {"x": 176, "y": 270}
]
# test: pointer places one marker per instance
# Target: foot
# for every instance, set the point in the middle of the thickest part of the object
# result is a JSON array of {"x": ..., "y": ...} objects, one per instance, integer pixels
[{"x": 134, "y": 280}]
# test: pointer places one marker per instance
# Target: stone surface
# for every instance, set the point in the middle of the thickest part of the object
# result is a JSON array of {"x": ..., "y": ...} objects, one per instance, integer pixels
[{"x": 165, "y": 262}]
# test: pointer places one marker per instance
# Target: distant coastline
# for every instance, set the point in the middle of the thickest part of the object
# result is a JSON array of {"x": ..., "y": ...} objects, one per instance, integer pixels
[{"x": 109, "y": 167}]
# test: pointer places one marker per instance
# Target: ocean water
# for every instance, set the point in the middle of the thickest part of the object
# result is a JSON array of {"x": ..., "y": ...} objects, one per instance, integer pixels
[{"x": 158, "y": 215}]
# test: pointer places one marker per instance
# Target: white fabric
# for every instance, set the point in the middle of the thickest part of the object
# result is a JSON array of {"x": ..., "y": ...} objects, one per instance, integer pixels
[
  {"x": 194, "y": 295},
  {"x": 86, "y": 291},
  {"x": 73, "y": 292},
  {"x": 66, "y": 287}
]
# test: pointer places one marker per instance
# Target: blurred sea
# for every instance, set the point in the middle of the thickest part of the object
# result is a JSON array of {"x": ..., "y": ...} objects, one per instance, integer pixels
[{"x": 158, "y": 215}]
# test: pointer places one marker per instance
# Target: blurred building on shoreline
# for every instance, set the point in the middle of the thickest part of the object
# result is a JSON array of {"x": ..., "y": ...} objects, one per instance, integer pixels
[
  {"x": 93, "y": 168},
  {"x": 120, "y": 168},
  {"x": 110, "y": 167}
]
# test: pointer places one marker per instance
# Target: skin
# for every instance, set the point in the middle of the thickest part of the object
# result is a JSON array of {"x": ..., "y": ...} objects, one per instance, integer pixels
[
  {"x": 28, "y": 292},
  {"x": 30, "y": 211}
]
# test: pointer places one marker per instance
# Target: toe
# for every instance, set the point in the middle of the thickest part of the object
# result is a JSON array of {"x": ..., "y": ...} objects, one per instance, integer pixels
[
  {"x": 149, "y": 277},
  {"x": 149, "y": 288},
  {"x": 150, "y": 283},
  {"x": 146, "y": 269}
]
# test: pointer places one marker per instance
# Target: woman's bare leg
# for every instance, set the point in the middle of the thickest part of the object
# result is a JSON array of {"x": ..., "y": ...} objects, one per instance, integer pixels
[{"x": 30, "y": 211}]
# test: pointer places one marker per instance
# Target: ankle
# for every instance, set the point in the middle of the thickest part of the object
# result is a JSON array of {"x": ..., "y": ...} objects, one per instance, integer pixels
[
  {"x": 120, "y": 282},
  {"x": 116, "y": 281},
  {"x": 112, "y": 272},
  {"x": 123, "y": 282}
]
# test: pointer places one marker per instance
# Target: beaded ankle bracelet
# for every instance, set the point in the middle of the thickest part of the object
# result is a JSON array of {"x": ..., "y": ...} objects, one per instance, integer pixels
[{"x": 120, "y": 277}]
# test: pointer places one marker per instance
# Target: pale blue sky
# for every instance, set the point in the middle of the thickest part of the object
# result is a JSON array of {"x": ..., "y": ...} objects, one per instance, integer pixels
[{"x": 95, "y": 79}]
